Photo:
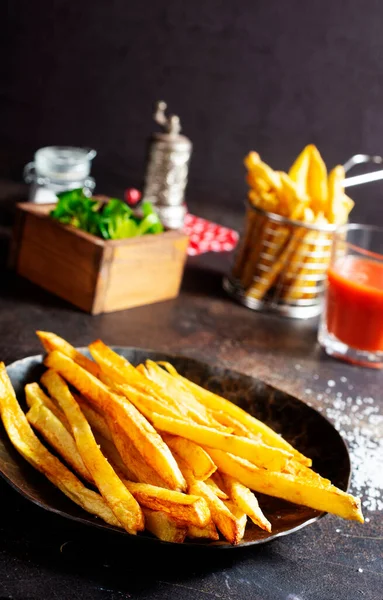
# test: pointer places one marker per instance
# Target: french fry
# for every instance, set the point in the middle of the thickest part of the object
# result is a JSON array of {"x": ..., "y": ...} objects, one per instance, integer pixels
[
  {"x": 35, "y": 395},
  {"x": 257, "y": 452},
  {"x": 237, "y": 427},
  {"x": 117, "y": 370},
  {"x": 259, "y": 288},
  {"x": 265, "y": 268},
  {"x": 30, "y": 447},
  {"x": 110, "y": 452},
  {"x": 145, "y": 403},
  {"x": 289, "y": 487},
  {"x": 272, "y": 239},
  {"x": 317, "y": 181},
  {"x": 240, "y": 517},
  {"x": 140, "y": 470},
  {"x": 162, "y": 526},
  {"x": 195, "y": 457},
  {"x": 223, "y": 518},
  {"x": 135, "y": 426},
  {"x": 216, "y": 489},
  {"x": 54, "y": 432},
  {"x": 196, "y": 410},
  {"x": 246, "y": 501},
  {"x": 214, "y": 402},
  {"x": 335, "y": 193},
  {"x": 262, "y": 171},
  {"x": 299, "y": 170},
  {"x": 95, "y": 419},
  {"x": 293, "y": 202},
  {"x": 51, "y": 342},
  {"x": 208, "y": 532},
  {"x": 124, "y": 506},
  {"x": 184, "y": 508}
]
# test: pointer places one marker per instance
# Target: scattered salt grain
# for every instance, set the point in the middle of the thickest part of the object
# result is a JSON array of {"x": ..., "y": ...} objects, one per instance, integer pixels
[
  {"x": 308, "y": 391},
  {"x": 367, "y": 520},
  {"x": 343, "y": 379},
  {"x": 331, "y": 383},
  {"x": 298, "y": 367},
  {"x": 360, "y": 570},
  {"x": 337, "y": 530},
  {"x": 316, "y": 377},
  {"x": 362, "y": 429}
]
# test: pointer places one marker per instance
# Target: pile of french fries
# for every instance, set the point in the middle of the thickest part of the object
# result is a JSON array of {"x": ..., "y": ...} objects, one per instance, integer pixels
[
  {"x": 287, "y": 259},
  {"x": 145, "y": 448}
]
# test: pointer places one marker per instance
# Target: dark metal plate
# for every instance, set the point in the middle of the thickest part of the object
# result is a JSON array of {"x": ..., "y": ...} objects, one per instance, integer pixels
[{"x": 301, "y": 425}]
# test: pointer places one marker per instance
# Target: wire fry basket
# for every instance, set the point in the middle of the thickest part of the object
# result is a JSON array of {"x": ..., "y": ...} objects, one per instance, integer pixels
[{"x": 281, "y": 265}]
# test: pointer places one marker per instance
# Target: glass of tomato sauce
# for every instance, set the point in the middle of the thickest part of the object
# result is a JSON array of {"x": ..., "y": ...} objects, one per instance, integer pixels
[{"x": 351, "y": 327}]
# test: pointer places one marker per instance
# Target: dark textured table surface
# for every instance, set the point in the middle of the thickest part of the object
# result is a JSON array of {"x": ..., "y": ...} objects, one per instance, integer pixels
[{"x": 43, "y": 556}]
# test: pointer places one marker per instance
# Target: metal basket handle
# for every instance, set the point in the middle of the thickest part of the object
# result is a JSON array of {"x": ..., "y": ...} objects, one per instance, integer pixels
[{"x": 359, "y": 159}]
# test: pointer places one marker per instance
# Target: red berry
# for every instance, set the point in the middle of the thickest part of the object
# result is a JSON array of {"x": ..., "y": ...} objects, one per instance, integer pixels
[{"x": 132, "y": 196}]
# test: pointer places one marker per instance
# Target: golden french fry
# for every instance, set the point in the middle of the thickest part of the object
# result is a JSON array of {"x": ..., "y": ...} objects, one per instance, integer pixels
[
  {"x": 134, "y": 461},
  {"x": 110, "y": 452},
  {"x": 95, "y": 419},
  {"x": 214, "y": 402},
  {"x": 30, "y": 447},
  {"x": 317, "y": 181},
  {"x": 114, "y": 492},
  {"x": 240, "y": 517},
  {"x": 262, "y": 285},
  {"x": 136, "y": 427},
  {"x": 251, "y": 159},
  {"x": 195, "y": 457},
  {"x": 54, "y": 432},
  {"x": 216, "y": 489},
  {"x": 117, "y": 370},
  {"x": 267, "y": 201},
  {"x": 335, "y": 193},
  {"x": 299, "y": 170},
  {"x": 257, "y": 452},
  {"x": 222, "y": 517},
  {"x": 188, "y": 508},
  {"x": 295, "y": 489},
  {"x": 246, "y": 501},
  {"x": 343, "y": 207},
  {"x": 294, "y": 200},
  {"x": 162, "y": 526},
  {"x": 51, "y": 342},
  {"x": 237, "y": 427},
  {"x": 35, "y": 395},
  {"x": 196, "y": 411},
  {"x": 262, "y": 171},
  {"x": 208, "y": 532},
  {"x": 145, "y": 403}
]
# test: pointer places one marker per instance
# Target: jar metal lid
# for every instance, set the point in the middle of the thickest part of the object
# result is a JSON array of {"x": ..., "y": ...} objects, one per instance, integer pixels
[{"x": 63, "y": 163}]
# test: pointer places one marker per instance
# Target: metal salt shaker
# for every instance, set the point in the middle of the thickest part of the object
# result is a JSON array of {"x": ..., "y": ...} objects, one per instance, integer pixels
[{"x": 167, "y": 169}]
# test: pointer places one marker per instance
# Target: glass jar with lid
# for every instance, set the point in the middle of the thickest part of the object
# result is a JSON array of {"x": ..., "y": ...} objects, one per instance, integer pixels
[{"x": 57, "y": 169}]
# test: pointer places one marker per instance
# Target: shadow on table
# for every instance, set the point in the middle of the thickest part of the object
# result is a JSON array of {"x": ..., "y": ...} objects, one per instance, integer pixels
[{"x": 103, "y": 560}]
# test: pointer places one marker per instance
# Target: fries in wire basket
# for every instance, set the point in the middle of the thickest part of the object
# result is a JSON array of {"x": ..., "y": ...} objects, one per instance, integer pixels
[
  {"x": 145, "y": 448},
  {"x": 276, "y": 256}
]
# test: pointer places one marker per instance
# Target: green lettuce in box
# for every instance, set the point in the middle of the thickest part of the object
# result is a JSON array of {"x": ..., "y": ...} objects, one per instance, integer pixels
[{"x": 111, "y": 220}]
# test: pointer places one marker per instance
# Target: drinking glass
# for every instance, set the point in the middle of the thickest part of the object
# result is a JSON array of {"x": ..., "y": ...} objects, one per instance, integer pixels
[{"x": 351, "y": 326}]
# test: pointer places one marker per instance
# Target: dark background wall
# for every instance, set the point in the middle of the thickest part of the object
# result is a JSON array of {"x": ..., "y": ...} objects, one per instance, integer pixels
[{"x": 265, "y": 75}]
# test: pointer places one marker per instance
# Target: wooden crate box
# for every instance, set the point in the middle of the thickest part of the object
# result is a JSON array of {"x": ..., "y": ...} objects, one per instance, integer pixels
[{"x": 94, "y": 274}]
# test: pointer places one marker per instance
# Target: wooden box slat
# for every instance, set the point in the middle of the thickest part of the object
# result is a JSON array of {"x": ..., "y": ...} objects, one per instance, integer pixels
[{"x": 94, "y": 274}]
